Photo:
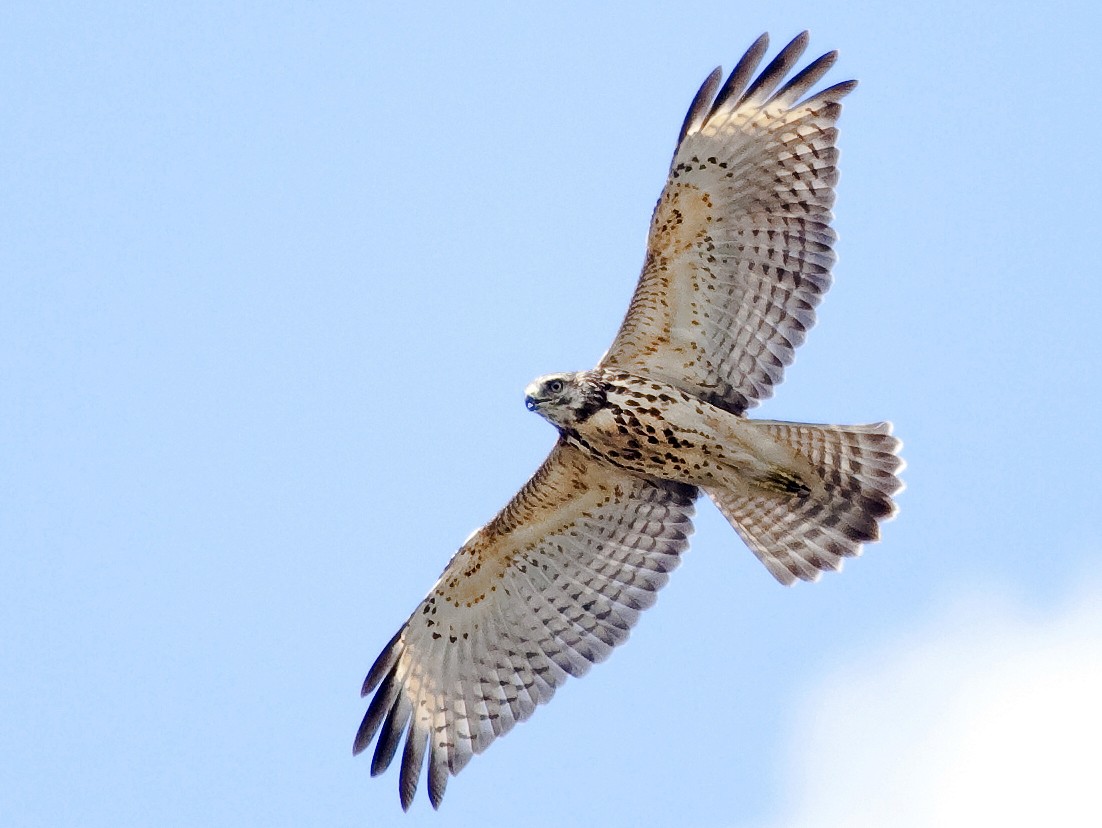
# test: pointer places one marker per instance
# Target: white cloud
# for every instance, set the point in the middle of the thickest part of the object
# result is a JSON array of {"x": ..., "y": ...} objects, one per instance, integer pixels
[{"x": 992, "y": 716}]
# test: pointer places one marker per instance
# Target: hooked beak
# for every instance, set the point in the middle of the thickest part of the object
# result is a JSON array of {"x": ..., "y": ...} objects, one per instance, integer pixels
[{"x": 531, "y": 401}]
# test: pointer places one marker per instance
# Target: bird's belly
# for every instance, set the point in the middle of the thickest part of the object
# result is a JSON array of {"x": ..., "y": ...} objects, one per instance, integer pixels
[{"x": 660, "y": 431}]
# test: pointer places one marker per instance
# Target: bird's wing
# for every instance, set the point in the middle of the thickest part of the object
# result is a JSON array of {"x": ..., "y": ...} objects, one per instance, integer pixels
[
  {"x": 544, "y": 590},
  {"x": 740, "y": 245}
]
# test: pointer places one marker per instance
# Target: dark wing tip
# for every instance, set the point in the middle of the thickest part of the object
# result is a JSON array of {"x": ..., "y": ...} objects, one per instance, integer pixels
[
  {"x": 390, "y": 735},
  {"x": 743, "y": 71},
  {"x": 379, "y": 708},
  {"x": 383, "y": 664},
  {"x": 438, "y": 778},
  {"x": 701, "y": 104},
  {"x": 780, "y": 66},
  {"x": 741, "y": 85},
  {"x": 413, "y": 757},
  {"x": 839, "y": 90},
  {"x": 808, "y": 76}
]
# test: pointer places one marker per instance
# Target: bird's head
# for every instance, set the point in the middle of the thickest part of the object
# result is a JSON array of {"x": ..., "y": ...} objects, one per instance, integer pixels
[{"x": 564, "y": 399}]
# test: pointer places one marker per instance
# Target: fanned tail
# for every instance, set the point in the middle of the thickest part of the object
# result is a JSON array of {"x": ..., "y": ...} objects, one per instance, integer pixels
[{"x": 809, "y": 529}]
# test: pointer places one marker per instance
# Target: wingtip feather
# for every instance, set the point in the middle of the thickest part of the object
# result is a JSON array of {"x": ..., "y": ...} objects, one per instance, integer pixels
[
  {"x": 383, "y": 664},
  {"x": 777, "y": 69},
  {"x": 701, "y": 104},
  {"x": 438, "y": 778},
  {"x": 742, "y": 73},
  {"x": 805, "y": 78},
  {"x": 412, "y": 758},
  {"x": 390, "y": 736},
  {"x": 379, "y": 709}
]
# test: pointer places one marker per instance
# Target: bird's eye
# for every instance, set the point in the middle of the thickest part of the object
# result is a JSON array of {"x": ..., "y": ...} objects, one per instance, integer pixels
[{"x": 555, "y": 386}]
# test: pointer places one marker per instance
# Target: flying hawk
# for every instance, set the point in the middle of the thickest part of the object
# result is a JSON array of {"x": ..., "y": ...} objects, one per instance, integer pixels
[{"x": 738, "y": 257}]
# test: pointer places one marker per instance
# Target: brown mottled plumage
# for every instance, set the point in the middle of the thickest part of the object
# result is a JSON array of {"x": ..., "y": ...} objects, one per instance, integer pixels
[{"x": 738, "y": 257}]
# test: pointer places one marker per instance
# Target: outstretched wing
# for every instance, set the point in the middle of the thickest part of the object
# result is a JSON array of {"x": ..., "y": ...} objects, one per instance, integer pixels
[
  {"x": 740, "y": 245},
  {"x": 543, "y": 591}
]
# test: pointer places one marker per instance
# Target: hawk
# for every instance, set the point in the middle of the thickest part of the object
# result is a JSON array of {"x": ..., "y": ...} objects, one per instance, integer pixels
[{"x": 738, "y": 257}]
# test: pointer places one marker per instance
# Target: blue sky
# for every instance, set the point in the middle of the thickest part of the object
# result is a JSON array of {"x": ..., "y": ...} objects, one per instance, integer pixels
[{"x": 274, "y": 279}]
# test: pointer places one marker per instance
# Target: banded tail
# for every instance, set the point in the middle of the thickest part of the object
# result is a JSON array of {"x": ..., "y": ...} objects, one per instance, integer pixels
[{"x": 809, "y": 529}]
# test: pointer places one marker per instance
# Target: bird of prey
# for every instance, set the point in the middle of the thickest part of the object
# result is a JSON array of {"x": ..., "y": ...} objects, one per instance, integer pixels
[{"x": 738, "y": 257}]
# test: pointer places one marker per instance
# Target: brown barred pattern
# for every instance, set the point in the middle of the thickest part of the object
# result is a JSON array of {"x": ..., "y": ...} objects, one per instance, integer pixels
[
  {"x": 738, "y": 257},
  {"x": 542, "y": 592},
  {"x": 800, "y": 537},
  {"x": 740, "y": 246}
]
